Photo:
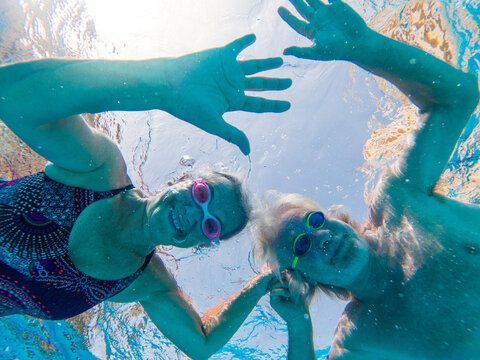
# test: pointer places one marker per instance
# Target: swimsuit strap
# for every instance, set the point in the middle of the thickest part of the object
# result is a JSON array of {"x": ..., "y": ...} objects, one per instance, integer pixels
[
  {"x": 118, "y": 191},
  {"x": 147, "y": 260}
]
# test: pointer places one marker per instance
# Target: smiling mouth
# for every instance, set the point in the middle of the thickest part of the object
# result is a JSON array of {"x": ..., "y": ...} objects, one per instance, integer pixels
[{"x": 175, "y": 220}]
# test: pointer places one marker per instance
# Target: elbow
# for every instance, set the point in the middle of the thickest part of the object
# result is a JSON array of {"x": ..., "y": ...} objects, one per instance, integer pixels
[
  {"x": 474, "y": 91},
  {"x": 200, "y": 350},
  {"x": 200, "y": 354},
  {"x": 3, "y": 97},
  {"x": 200, "y": 357},
  {"x": 461, "y": 98},
  {"x": 195, "y": 350},
  {"x": 468, "y": 93}
]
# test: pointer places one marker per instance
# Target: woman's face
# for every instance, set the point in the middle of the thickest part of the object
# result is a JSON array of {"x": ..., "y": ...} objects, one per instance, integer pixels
[
  {"x": 177, "y": 218},
  {"x": 338, "y": 256}
]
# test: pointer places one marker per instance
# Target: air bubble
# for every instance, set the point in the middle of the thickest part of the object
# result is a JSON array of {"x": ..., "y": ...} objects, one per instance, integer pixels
[{"x": 187, "y": 160}]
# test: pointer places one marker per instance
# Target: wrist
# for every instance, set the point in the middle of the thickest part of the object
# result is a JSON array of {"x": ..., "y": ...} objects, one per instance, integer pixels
[
  {"x": 299, "y": 318},
  {"x": 132, "y": 85},
  {"x": 300, "y": 325},
  {"x": 365, "y": 47},
  {"x": 261, "y": 283},
  {"x": 150, "y": 86}
]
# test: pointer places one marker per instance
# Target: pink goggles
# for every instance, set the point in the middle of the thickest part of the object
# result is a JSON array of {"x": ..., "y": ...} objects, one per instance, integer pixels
[{"x": 210, "y": 224}]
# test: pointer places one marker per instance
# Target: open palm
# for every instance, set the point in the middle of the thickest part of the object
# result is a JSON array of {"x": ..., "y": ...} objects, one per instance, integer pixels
[
  {"x": 335, "y": 29},
  {"x": 212, "y": 82}
]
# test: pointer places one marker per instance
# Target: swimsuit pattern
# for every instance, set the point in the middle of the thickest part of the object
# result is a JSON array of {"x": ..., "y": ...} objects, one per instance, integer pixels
[{"x": 37, "y": 277}]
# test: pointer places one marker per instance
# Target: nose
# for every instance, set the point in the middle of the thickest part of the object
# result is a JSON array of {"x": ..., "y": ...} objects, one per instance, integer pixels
[
  {"x": 193, "y": 214},
  {"x": 324, "y": 238}
]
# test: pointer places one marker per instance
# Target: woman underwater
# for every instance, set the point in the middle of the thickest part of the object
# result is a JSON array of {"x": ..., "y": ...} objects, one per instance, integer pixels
[
  {"x": 410, "y": 272},
  {"x": 79, "y": 233}
]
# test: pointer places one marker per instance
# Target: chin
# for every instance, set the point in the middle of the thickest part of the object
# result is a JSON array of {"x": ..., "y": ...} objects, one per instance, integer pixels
[
  {"x": 182, "y": 246},
  {"x": 180, "y": 243}
]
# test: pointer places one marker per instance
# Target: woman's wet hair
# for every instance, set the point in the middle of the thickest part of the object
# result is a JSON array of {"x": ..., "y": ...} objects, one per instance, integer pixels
[{"x": 268, "y": 218}]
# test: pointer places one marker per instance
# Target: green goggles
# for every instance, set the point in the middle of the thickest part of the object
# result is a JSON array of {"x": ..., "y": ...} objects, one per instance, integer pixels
[{"x": 303, "y": 242}]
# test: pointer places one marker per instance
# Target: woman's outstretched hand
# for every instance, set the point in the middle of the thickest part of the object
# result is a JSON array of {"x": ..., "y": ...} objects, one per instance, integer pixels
[
  {"x": 335, "y": 29},
  {"x": 210, "y": 83}
]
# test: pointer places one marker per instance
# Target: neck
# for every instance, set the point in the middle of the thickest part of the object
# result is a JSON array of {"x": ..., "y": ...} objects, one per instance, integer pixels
[
  {"x": 154, "y": 221},
  {"x": 373, "y": 280},
  {"x": 136, "y": 235}
]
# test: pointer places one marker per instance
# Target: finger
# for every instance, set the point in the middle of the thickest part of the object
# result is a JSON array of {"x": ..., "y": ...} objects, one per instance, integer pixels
[
  {"x": 240, "y": 44},
  {"x": 261, "y": 105},
  {"x": 339, "y": 4},
  {"x": 300, "y": 52},
  {"x": 303, "y": 9},
  {"x": 267, "y": 84},
  {"x": 316, "y": 4},
  {"x": 280, "y": 292},
  {"x": 251, "y": 67},
  {"x": 276, "y": 284},
  {"x": 229, "y": 133},
  {"x": 286, "y": 275},
  {"x": 296, "y": 24}
]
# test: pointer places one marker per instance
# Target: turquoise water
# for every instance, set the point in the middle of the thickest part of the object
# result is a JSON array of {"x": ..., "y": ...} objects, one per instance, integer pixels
[{"x": 33, "y": 29}]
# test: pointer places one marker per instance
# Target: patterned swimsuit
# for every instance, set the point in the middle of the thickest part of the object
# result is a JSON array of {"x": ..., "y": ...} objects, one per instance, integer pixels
[{"x": 37, "y": 277}]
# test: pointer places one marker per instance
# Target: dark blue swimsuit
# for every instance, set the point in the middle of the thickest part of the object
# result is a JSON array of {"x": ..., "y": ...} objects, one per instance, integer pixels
[{"x": 37, "y": 277}]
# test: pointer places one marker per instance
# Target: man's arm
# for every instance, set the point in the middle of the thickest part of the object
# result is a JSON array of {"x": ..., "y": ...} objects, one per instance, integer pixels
[
  {"x": 448, "y": 95},
  {"x": 294, "y": 311},
  {"x": 174, "y": 316},
  {"x": 300, "y": 339}
]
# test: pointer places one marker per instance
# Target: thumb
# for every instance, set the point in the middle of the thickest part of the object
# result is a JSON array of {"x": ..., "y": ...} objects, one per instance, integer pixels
[{"x": 300, "y": 52}]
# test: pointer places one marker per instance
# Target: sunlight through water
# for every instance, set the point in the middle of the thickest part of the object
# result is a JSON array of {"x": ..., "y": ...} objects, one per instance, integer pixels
[{"x": 362, "y": 125}]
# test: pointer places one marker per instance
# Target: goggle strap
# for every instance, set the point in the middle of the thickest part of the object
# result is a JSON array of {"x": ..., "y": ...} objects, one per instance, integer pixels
[{"x": 294, "y": 263}]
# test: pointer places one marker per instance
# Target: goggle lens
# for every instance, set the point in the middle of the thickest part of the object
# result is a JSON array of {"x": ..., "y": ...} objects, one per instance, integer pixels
[
  {"x": 316, "y": 220},
  {"x": 303, "y": 243},
  {"x": 201, "y": 192},
  {"x": 211, "y": 228}
]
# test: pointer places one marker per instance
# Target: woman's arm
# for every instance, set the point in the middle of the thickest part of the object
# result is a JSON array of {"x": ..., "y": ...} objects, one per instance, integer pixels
[
  {"x": 448, "y": 95},
  {"x": 174, "y": 316},
  {"x": 39, "y": 98}
]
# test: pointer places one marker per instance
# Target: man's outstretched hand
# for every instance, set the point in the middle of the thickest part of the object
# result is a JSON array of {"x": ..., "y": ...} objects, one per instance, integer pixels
[{"x": 335, "y": 29}]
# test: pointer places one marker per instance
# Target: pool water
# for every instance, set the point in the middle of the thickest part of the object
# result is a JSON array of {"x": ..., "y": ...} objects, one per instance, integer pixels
[{"x": 331, "y": 145}]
